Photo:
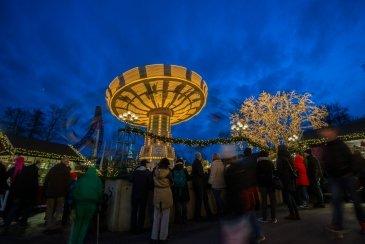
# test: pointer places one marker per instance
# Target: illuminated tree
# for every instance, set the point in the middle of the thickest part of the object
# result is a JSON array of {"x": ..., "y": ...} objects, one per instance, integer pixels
[{"x": 277, "y": 119}]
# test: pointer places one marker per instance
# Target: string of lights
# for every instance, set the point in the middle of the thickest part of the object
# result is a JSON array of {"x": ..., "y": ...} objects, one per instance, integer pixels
[
  {"x": 204, "y": 143},
  {"x": 10, "y": 149},
  {"x": 190, "y": 142}
]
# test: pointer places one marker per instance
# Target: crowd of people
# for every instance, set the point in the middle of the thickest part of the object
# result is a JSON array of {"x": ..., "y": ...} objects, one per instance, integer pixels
[
  {"x": 240, "y": 185},
  {"x": 63, "y": 191}
]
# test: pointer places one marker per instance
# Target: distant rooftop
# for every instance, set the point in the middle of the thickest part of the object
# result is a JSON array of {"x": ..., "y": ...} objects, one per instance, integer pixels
[
  {"x": 355, "y": 126},
  {"x": 32, "y": 147}
]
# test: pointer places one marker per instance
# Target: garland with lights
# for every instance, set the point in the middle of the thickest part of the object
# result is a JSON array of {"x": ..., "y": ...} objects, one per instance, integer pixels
[
  {"x": 78, "y": 153},
  {"x": 35, "y": 153},
  {"x": 4, "y": 140},
  {"x": 320, "y": 141},
  {"x": 9, "y": 148},
  {"x": 204, "y": 143},
  {"x": 189, "y": 142}
]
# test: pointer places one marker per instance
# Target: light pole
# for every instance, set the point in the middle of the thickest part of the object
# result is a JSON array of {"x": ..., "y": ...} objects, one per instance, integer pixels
[
  {"x": 238, "y": 128},
  {"x": 126, "y": 142}
]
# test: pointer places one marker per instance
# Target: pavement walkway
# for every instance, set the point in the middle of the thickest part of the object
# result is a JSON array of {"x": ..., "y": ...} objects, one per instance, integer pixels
[{"x": 309, "y": 230}]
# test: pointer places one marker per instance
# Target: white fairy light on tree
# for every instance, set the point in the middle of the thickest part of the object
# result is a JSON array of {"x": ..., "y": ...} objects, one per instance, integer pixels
[{"x": 277, "y": 119}]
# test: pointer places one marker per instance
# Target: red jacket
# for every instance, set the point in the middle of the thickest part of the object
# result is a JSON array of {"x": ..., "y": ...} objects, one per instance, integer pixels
[{"x": 299, "y": 164}]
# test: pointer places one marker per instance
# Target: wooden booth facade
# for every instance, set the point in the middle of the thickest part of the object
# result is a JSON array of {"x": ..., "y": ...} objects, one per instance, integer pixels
[{"x": 45, "y": 154}]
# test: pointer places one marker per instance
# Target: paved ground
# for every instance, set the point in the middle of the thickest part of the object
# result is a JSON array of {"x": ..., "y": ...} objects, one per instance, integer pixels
[{"x": 307, "y": 231}]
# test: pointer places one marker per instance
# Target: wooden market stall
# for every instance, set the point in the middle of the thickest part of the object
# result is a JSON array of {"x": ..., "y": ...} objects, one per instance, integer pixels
[{"x": 46, "y": 154}]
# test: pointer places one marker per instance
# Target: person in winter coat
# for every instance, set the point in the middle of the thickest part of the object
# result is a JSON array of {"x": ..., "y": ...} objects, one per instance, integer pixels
[
  {"x": 314, "y": 172},
  {"x": 22, "y": 193},
  {"x": 86, "y": 195},
  {"x": 162, "y": 201},
  {"x": 181, "y": 195},
  {"x": 338, "y": 163},
  {"x": 68, "y": 199},
  {"x": 3, "y": 177},
  {"x": 216, "y": 180},
  {"x": 3, "y": 186},
  {"x": 265, "y": 173},
  {"x": 55, "y": 187},
  {"x": 142, "y": 183},
  {"x": 287, "y": 174},
  {"x": 302, "y": 181},
  {"x": 200, "y": 188},
  {"x": 359, "y": 167}
]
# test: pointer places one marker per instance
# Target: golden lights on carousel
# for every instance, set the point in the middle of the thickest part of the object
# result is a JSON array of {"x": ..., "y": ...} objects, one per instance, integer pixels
[{"x": 159, "y": 96}]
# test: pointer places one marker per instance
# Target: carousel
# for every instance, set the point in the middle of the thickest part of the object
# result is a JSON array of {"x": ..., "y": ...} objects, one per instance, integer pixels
[{"x": 158, "y": 96}]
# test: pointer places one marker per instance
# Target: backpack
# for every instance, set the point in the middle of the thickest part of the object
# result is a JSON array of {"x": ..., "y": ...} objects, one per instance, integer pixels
[{"x": 179, "y": 178}]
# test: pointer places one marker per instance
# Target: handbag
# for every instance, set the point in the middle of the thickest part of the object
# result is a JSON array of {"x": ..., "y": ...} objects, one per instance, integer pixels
[{"x": 277, "y": 183}]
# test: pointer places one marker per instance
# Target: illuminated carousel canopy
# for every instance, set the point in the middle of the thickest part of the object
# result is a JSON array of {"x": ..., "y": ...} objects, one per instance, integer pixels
[
  {"x": 146, "y": 88},
  {"x": 159, "y": 96}
]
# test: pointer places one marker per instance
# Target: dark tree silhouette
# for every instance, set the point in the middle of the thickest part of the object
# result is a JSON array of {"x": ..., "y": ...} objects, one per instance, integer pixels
[
  {"x": 36, "y": 124},
  {"x": 337, "y": 114},
  {"x": 14, "y": 120},
  {"x": 56, "y": 118}
]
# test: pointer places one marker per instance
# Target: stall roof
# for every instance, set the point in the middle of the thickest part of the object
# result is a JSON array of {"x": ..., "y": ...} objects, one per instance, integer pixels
[{"x": 13, "y": 144}]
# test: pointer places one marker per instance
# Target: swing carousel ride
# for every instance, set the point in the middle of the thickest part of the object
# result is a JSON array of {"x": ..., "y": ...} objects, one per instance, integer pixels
[{"x": 159, "y": 96}]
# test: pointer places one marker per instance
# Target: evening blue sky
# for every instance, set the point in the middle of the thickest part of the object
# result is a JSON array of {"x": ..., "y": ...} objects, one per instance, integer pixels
[{"x": 67, "y": 52}]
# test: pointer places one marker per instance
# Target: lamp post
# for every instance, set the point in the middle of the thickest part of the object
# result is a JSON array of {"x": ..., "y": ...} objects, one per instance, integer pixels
[
  {"x": 238, "y": 128},
  {"x": 126, "y": 142}
]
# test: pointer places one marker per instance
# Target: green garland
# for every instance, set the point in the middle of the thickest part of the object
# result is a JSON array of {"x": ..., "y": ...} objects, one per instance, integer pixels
[
  {"x": 203, "y": 143},
  {"x": 300, "y": 145},
  {"x": 189, "y": 142}
]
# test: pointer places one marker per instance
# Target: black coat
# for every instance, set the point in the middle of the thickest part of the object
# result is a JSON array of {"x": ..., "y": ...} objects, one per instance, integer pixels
[
  {"x": 3, "y": 177},
  {"x": 57, "y": 181},
  {"x": 249, "y": 164},
  {"x": 142, "y": 182},
  {"x": 285, "y": 167},
  {"x": 25, "y": 184},
  {"x": 337, "y": 159},
  {"x": 314, "y": 169},
  {"x": 265, "y": 172},
  {"x": 197, "y": 173}
]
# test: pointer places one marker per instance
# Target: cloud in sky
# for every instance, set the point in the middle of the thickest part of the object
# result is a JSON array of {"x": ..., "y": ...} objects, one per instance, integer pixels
[{"x": 67, "y": 52}]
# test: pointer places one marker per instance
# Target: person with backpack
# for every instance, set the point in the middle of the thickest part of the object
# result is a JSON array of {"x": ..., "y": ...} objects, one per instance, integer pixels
[{"x": 181, "y": 195}]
